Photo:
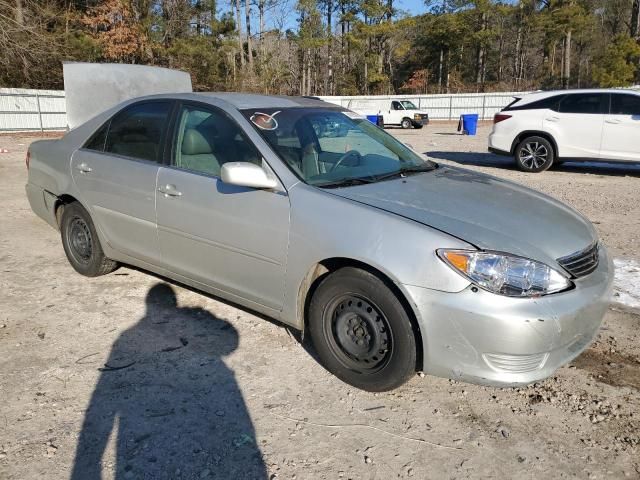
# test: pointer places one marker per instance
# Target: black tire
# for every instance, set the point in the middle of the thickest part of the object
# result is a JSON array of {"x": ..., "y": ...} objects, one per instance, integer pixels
[
  {"x": 361, "y": 331},
  {"x": 406, "y": 123},
  {"x": 534, "y": 154},
  {"x": 81, "y": 243}
]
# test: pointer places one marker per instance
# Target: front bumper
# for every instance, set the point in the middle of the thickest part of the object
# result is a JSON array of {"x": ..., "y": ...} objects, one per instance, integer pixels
[
  {"x": 421, "y": 119},
  {"x": 490, "y": 339}
]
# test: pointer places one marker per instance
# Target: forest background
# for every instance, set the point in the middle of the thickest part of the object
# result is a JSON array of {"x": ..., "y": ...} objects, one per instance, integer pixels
[{"x": 331, "y": 47}]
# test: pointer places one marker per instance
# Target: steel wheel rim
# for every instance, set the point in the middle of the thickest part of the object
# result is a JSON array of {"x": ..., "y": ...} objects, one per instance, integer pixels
[
  {"x": 358, "y": 333},
  {"x": 80, "y": 240},
  {"x": 534, "y": 155}
]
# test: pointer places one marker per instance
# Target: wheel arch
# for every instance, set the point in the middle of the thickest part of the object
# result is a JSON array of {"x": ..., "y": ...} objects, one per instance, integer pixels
[
  {"x": 321, "y": 269},
  {"x": 61, "y": 202},
  {"x": 535, "y": 133}
]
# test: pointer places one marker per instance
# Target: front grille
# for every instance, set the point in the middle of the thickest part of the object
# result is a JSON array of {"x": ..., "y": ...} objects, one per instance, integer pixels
[
  {"x": 515, "y": 363},
  {"x": 581, "y": 263}
]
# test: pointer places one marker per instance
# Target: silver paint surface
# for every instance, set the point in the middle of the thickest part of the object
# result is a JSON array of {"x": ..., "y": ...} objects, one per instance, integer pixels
[{"x": 258, "y": 247}]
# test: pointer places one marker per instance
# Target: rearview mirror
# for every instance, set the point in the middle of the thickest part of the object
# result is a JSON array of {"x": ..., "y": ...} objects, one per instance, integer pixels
[{"x": 245, "y": 174}]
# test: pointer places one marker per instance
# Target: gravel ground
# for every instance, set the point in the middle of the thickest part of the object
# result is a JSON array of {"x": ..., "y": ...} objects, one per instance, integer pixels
[{"x": 109, "y": 376}]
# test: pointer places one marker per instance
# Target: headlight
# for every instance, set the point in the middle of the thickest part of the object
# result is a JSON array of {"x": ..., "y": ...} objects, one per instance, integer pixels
[
  {"x": 505, "y": 274},
  {"x": 417, "y": 116}
]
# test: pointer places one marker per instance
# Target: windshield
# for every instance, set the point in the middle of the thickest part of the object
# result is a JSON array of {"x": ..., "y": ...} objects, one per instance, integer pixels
[
  {"x": 325, "y": 146},
  {"x": 408, "y": 105}
]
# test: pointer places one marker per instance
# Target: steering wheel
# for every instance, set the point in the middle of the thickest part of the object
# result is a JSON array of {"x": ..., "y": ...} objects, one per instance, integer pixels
[{"x": 344, "y": 157}]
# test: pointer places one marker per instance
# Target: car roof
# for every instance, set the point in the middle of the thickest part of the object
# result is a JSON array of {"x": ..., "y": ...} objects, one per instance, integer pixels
[
  {"x": 251, "y": 100},
  {"x": 534, "y": 96}
]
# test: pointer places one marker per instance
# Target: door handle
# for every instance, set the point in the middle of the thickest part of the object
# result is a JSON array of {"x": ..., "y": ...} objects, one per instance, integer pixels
[
  {"x": 612, "y": 121},
  {"x": 552, "y": 119},
  {"x": 84, "y": 168},
  {"x": 169, "y": 191}
]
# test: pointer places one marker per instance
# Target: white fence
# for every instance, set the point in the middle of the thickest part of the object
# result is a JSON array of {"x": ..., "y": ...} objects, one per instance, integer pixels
[
  {"x": 39, "y": 110},
  {"x": 445, "y": 107}
]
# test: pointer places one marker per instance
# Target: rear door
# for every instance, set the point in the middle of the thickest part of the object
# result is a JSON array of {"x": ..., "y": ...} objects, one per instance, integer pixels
[
  {"x": 577, "y": 125},
  {"x": 227, "y": 237},
  {"x": 116, "y": 172},
  {"x": 621, "y": 130}
]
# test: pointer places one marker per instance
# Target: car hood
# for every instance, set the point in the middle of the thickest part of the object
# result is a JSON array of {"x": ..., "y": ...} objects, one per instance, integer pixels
[{"x": 485, "y": 211}]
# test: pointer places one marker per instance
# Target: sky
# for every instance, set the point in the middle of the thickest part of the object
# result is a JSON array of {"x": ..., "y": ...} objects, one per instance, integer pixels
[{"x": 286, "y": 12}]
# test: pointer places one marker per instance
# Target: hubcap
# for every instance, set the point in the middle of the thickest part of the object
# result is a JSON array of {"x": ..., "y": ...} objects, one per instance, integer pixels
[
  {"x": 358, "y": 333},
  {"x": 80, "y": 240},
  {"x": 534, "y": 155}
]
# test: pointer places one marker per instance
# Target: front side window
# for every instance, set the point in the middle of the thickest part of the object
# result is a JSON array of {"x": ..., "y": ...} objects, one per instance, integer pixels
[
  {"x": 326, "y": 146},
  {"x": 397, "y": 105},
  {"x": 625, "y": 104},
  {"x": 138, "y": 130},
  {"x": 207, "y": 139},
  {"x": 587, "y": 103},
  {"x": 97, "y": 140},
  {"x": 408, "y": 105}
]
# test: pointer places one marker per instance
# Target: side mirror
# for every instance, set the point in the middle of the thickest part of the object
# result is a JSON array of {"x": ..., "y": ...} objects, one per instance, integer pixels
[{"x": 245, "y": 174}]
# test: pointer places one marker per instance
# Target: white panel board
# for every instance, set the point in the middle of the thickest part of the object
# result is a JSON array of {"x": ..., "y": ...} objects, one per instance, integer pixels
[{"x": 92, "y": 88}]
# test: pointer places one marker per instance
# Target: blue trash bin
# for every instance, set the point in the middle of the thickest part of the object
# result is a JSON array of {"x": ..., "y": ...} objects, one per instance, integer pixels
[
  {"x": 469, "y": 123},
  {"x": 376, "y": 120}
]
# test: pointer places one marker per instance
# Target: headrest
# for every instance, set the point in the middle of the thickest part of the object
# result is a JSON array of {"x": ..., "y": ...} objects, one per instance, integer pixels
[{"x": 195, "y": 143}]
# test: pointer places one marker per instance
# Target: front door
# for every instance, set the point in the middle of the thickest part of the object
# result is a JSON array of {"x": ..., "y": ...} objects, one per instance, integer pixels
[
  {"x": 621, "y": 132},
  {"x": 227, "y": 237},
  {"x": 115, "y": 173}
]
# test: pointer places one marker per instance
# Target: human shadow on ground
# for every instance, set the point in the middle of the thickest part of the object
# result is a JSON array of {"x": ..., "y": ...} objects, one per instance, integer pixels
[
  {"x": 171, "y": 405},
  {"x": 594, "y": 167}
]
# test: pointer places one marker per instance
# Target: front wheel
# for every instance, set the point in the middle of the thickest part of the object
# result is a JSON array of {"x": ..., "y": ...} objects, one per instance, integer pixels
[
  {"x": 534, "y": 154},
  {"x": 361, "y": 331},
  {"x": 406, "y": 123},
  {"x": 81, "y": 244}
]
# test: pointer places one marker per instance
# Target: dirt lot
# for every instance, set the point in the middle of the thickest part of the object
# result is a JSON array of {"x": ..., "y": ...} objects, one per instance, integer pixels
[{"x": 109, "y": 376}]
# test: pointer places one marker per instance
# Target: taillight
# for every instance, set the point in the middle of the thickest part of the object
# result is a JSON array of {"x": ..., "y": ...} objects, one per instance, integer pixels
[
  {"x": 27, "y": 159},
  {"x": 500, "y": 117}
]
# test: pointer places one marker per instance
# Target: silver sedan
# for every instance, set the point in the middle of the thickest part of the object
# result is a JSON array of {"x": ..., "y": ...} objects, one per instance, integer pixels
[{"x": 309, "y": 214}]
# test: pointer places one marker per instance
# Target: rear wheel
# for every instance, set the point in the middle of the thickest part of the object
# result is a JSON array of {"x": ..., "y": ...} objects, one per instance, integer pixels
[
  {"x": 361, "y": 331},
  {"x": 81, "y": 243},
  {"x": 406, "y": 123},
  {"x": 534, "y": 154}
]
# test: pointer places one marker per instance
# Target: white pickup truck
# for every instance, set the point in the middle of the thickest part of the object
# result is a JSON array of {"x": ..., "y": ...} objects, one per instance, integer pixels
[{"x": 401, "y": 113}]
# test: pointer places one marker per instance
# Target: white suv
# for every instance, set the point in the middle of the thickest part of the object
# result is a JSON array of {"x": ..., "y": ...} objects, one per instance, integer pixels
[{"x": 544, "y": 128}]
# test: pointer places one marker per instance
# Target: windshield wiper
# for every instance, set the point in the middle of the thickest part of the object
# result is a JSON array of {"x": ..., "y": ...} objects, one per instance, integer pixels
[
  {"x": 404, "y": 171},
  {"x": 346, "y": 182}
]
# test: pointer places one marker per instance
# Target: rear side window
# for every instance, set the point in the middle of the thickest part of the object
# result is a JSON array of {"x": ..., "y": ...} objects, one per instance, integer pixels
[
  {"x": 550, "y": 103},
  {"x": 587, "y": 103},
  {"x": 624, "y": 104},
  {"x": 138, "y": 130},
  {"x": 97, "y": 140}
]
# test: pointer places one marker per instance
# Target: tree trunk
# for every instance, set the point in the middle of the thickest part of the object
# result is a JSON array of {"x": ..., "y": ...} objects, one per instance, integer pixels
[
  {"x": 329, "y": 89},
  {"x": 239, "y": 26},
  {"x": 635, "y": 14},
  {"x": 440, "y": 70},
  {"x": 480, "y": 60},
  {"x": 516, "y": 58},
  {"x": 566, "y": 76},
  {"x": 247, "y": 17},
  {"x": 19, "y": 14},
  {"x": 261, "y": 26}
]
